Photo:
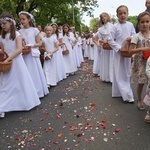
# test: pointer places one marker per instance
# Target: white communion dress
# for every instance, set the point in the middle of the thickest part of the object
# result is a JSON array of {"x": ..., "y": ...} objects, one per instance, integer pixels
[
  {"x": 32, "y": 61},
  {"x": 17, "y": 91}
]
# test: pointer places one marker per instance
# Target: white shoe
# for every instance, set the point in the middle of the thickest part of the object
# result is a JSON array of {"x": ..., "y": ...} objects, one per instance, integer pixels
[
  {"x": 131, "y": 100},
  {"x": 67, "y": 74},
  {"x": 73, "y": 73},
  {"x": 2, "y": 115}
]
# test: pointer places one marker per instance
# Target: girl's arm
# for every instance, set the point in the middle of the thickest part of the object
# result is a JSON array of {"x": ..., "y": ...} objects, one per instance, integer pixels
[
  {"x": 133, "y": 49},
  {"x": 60, "y": 42},
  {"x": 55, "y": 49},
  {"x": 95, "y": 40},
  {"x": 38, "y": 41},
  {"x": 17, "y": 51}
]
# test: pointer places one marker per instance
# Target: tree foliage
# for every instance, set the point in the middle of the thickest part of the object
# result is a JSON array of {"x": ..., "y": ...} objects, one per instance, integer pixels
[
  {"x": 94, "y": 21},
  {"x": 45, "y": 10},
  {"x": 93, "y": 24}
]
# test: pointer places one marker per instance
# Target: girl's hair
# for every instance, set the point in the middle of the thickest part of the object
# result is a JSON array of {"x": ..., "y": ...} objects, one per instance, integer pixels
[
  {"x": 121, "y": 7},
  {"x": 141, "y": 15},
  {"x": 54, "y": 24},
  {"x": 8, "y": 17},
  {"x": 28, "y": 15},
  {"x": 101, "y": 20},
  {"x": 68, "y": 29}
]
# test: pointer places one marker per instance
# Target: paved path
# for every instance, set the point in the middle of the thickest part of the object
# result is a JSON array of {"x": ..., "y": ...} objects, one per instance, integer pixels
[{"x": 78, "y": 114}]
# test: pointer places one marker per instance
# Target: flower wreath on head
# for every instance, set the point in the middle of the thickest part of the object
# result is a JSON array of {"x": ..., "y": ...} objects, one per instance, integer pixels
[
  {"x": 54, "y": 24},
  {"x": 27, "y": 13},
  {"x": 8, "y": 19}
]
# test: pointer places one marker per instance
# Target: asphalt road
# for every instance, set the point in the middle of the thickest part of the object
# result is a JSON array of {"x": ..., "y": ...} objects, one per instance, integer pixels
[{"x": 78, "y": 114}]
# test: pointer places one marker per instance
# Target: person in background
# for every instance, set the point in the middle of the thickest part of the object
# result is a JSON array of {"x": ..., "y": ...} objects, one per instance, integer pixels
[
  {"x": 60, "y": 28},
  {"x": 61, "y": 72},
  {"x": 41, "y": 34},
  {"x": 147, "y": 5},
  {"x": 69, "y": 61}
]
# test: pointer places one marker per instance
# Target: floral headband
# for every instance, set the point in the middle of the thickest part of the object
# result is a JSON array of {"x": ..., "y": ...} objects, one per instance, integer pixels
[
  {"x": 25, "y": 12},
  {"x": 8, "y": 19},
  {"x": 53, "y": 24},
  {"x": 30, "y": 15}
]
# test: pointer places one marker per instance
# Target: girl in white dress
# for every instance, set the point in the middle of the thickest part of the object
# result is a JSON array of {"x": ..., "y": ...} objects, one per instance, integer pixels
[
  {"x": 70, "y": 66},
  {"x": 75, "y": 48},
  {"x": 86, "y": 50},
  {"x": 121, "y": 79},
  {"x": 106, "y": 61},
  {"x": 61, "y": 72},
  {"x": 17, "y": 91},
  {"x": 91, "y": 47},
  {"x": 97, "y": 55},
  {"x": 50, "y": 66},
  {"x": 32, "y": 60},
  {"x": 81, "y": 59}
]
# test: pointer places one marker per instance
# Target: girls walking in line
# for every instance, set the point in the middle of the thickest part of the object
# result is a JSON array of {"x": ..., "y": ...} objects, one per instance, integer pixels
[
  {"x": 32, "y": 60},
  {"x": 17, "y": 91}
]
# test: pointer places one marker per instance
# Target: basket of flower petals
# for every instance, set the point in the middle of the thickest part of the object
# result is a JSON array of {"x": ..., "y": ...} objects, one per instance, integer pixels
[
  {"x": 4, "y": 66},
  {"x": 125, "y": 49}
]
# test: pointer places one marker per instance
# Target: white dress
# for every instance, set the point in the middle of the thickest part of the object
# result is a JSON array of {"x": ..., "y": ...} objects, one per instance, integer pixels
[
  {"x": 60, "y": 65},
  {"x": 106, "y": 61},
  {"x": 97, "y": 57},
  {"x": 91, "y": 49},
  {"x": 86, "y": 50},
  {"x": 81, "y": 59},
  {"x": 17, "y": 91},
  {"x": 121, "y": 78},
  {"x": 69, "y": 61},
  {"x": 76, "y": 54},
  {"x": 50, "y": 66},
  {"x": 32, "y": 61}
]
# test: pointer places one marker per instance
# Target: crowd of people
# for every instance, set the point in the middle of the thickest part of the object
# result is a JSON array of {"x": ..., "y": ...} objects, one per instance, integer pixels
[{"x": 58, "y": 51}]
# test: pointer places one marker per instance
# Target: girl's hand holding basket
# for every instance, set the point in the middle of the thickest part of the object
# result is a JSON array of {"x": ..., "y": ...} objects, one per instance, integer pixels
[{"x": 26, "y": 48}]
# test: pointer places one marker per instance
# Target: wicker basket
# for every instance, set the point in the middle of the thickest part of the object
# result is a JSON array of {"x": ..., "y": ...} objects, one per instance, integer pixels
[
  {"x": 106, "y": 46},
  {"x": 65, "y": 52},
  {"x": 5, "y": 66},
  {"x": 26, "y": 50},
  {"x": 124, "y": 49},
  {"x": 92, "y": 45}
]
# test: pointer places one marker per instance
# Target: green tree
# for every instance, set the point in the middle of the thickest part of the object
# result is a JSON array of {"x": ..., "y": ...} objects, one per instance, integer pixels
[
  {"x": 45, "y": 10},
  {"x": 133, "y": 19},
  {"x": 93, "y": 24}
]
